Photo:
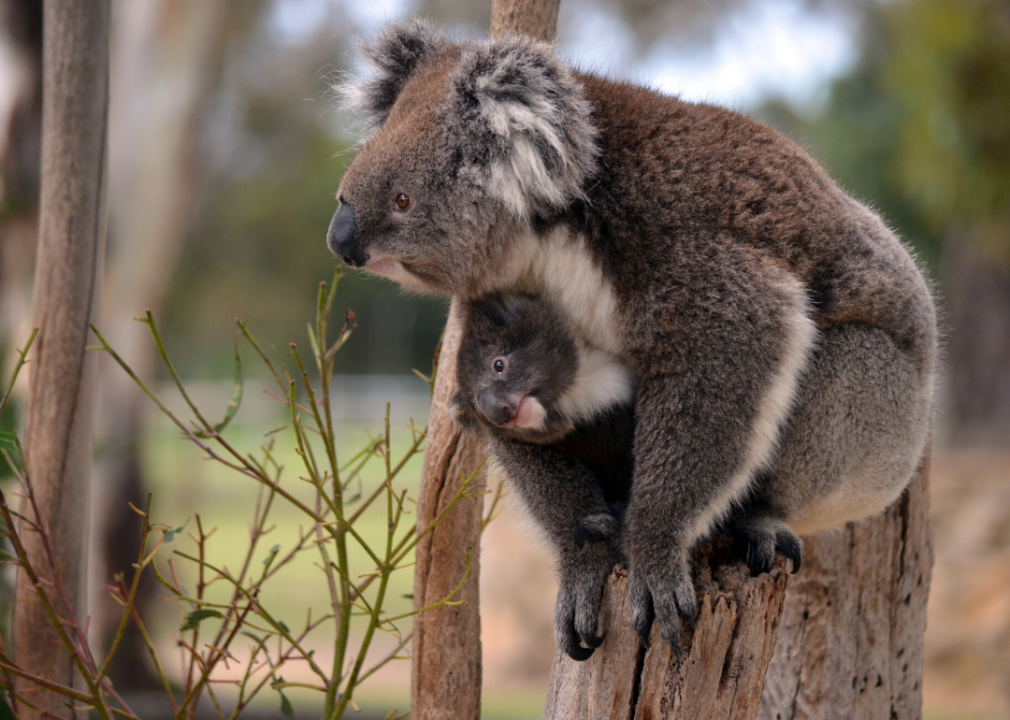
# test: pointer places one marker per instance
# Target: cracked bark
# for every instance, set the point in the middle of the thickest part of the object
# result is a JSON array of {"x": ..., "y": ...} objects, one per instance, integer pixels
[
  {"x": 446, "y": 666},
  {"x": 841, "y": 639},
  {"x": 58, "y": 425}
]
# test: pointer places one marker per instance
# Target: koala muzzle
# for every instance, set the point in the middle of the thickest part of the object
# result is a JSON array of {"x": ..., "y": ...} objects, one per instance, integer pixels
[
  {"x": 496, "y": 409},
  {"x": 344, "y": 239}
]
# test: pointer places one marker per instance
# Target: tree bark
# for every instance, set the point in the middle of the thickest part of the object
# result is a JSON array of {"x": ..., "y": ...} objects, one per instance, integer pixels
[
  {"x": 844, "y": 640},
  {"x": 446, "y": 670},
  {"x": 446, "y": 657},
  {"x": 58, "y": 426},
  {"x": 536, "y": 18}
]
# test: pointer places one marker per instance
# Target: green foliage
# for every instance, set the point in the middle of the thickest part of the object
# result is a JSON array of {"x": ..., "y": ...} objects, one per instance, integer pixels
[
  {"x": 225, "y": 610},
  {"x": 950, "y": 70}
]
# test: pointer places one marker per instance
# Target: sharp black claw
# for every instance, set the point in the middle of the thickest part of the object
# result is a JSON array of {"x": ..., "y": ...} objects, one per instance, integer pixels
[
  {"x": 593, "y": 641},
  {"x": 580, "y": 654},
  {"x": 790, "y": 547}
]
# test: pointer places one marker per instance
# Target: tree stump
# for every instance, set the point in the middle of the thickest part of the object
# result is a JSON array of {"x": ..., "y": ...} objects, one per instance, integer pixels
[{"x": 841, "y": 639}]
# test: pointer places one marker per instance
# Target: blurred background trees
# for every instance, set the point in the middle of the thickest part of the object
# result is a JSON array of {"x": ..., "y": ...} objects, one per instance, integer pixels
[{"x": 226, "y": 149}]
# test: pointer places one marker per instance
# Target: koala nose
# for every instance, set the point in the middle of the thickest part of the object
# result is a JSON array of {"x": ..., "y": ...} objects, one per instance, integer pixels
[
  {"x": 344, "y": 239},
  {"x": 495, "y": 408}
]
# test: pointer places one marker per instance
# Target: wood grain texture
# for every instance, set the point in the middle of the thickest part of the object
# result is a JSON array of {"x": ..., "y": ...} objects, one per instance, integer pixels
[
  {"x": 58, "y": 425},
  {"x": 536, "y": 18},
  {"x": 719, "y": 672},
  {"x": 844, "y": 640},
  {"x": 852, "y": 629},
  {"x": 446, "y": 666}
]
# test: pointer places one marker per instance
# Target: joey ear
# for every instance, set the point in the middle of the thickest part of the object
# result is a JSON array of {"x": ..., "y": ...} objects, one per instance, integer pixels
[
  {"x": 459, "y": 415},
  {"x": 392, "y": 56},
  {"x": 526, "y": 126}
]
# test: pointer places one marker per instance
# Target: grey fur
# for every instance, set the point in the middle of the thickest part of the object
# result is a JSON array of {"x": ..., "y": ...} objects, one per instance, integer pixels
[
  {"x": 572, "y": 476},
  {"x": 777, "y": 326}
]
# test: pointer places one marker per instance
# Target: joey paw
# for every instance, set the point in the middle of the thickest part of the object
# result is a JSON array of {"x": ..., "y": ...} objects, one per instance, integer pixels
[
  {"x": 594, "y": 528},
  {"x": 581, "y": 576}
]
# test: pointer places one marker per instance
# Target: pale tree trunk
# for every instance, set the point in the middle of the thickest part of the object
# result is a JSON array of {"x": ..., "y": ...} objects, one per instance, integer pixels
[
  {"x": 58, "y": 426},
  {"x": 841, "y": 639},
  {"x": 166, "y": 57},
  {"x": 446, "y": 656}
]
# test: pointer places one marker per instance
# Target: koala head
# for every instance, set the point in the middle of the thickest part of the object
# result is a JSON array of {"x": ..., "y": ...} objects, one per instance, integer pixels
[
  {"x": 467, "y": 142},
  {"x": 516, "y": 361}
]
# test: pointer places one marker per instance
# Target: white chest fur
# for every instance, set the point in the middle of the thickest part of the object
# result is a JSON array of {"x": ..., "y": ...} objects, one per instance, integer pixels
[{"x": 563, "y": 270}]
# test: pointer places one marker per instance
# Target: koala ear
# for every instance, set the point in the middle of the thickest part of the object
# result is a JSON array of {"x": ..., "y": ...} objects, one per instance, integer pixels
[
  {"x": 392, "y": 56},
  {"x": 528, "y": 137}
]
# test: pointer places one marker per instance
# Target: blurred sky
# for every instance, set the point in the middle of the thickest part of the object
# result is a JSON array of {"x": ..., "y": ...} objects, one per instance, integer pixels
[{"x": 772, "y": 48}]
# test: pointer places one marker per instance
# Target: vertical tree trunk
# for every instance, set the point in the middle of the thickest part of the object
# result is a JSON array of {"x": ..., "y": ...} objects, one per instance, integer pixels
[
  {"x": 447, "y": 667},
  {"x": 846, "y": 635},
  {"x": 58, "y": 427},
  {"x": 446, "y": 657}
]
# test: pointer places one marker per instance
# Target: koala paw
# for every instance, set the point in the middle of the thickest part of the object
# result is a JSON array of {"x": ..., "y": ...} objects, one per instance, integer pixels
[
  {"x": 594, "y": 528},
  {"x": 662, "y": 592},
  {"x": 762, "y": 539},
  {"x": 581, "y": 576}
]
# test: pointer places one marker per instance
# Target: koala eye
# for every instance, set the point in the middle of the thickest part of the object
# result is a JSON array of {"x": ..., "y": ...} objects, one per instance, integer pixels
[
  {"x": 402, "y": 202},
  {"x": 499, "y": 366}
]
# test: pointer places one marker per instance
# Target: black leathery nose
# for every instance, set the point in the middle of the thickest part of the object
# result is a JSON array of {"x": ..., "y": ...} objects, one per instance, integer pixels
[{"x": 344, "y": 238}]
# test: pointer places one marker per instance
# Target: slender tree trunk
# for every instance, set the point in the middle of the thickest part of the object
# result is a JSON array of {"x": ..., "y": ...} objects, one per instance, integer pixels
[
  {"x": 446, "y": 656},
  {"x": 446, "y": 666},
  {"x": 58, "y": 427},
  {"x": 846, "y": 635}
]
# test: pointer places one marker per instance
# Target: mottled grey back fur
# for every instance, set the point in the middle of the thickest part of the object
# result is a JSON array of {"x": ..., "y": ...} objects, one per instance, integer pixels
[{"x": 763, "y": 310}]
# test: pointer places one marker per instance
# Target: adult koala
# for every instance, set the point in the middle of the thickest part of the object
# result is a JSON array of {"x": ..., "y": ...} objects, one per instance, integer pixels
[{"x": 783, "y": 336}]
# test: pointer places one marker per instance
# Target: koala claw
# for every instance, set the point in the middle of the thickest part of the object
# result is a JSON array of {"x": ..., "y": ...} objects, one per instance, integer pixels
[
  {"x": 764, "y": 539},
  {"x": 664, "y": 598},
  {"x": 582, "y": 575},
  {"x": 593, "y": 641}
]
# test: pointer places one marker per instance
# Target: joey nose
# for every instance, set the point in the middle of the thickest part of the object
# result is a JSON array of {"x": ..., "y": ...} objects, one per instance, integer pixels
[
  {"x": 343, "y": 237},
  {"x": 496, "y": 409}
]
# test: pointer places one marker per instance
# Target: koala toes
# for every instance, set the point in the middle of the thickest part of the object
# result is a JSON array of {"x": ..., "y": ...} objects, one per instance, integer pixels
[
  {"x": 581, "y": 578},
  {"x": 594, "y": 528},
  {"x": 663, "y": 593},
  {"x": 762, "y": 539}
]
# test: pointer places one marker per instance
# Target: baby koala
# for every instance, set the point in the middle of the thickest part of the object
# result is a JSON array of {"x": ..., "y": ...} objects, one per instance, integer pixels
[{"x": 559, "y": 422}]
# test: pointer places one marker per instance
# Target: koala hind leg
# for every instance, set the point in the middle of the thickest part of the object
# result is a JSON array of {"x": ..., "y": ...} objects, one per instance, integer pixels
[
  {"x": 855, "y": 437},
  {"x": 761, "y": 538}
]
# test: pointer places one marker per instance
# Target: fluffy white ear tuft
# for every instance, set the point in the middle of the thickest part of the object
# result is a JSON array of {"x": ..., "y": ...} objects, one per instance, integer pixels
[
  {"x": 527, "y": 132},
  {"x": 391, "y": 57}
]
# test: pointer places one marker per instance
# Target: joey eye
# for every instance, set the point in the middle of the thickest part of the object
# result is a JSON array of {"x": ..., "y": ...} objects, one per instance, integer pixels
[
  {"x": 499, "y": 366},
  {"x": 402, "y": 202}
]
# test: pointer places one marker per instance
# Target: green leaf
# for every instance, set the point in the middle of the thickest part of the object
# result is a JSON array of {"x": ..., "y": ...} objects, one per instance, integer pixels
[
  {"x": 409, "y": 596},
  {"x": 284, "y": 627},
  {"x": 251, "y": 635},
  {"x": 273, "y": 553},
  {"x": 195, "y": 617},
  {"x": 9, "y": 441},
  {"x": 286, "y": 709},
  {"x": 236, "y": 395},
  {"x": 170, "y": 533},
  {"x": 5, "y": 709}
]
